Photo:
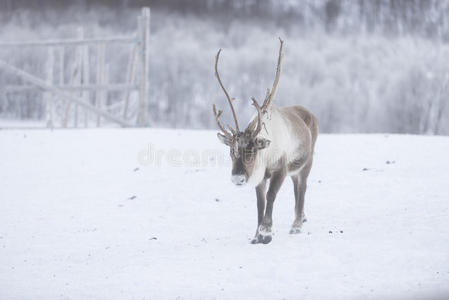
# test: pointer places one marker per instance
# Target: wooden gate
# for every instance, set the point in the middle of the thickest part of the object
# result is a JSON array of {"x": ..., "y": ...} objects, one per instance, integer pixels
[{"x": 79, "y": 94}]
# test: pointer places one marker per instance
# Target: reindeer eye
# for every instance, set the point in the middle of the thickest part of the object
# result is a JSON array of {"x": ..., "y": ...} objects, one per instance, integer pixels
[{"x": 250, "y": 147}]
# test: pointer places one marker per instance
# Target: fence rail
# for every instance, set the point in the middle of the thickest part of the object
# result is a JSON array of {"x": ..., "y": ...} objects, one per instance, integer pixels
[
  {"x": 80, "y": 91},
  {"x": 87, "y": 87},
  {"x": 71, "y": 42}
]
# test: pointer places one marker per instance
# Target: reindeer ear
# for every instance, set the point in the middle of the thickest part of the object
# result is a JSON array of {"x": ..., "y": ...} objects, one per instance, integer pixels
[
  {"x": 262, "y": 143},
  {"x": 223, "y": 139}
]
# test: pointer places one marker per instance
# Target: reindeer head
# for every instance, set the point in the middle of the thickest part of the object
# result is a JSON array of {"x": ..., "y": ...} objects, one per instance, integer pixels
[{"x": 244, "y": 145}]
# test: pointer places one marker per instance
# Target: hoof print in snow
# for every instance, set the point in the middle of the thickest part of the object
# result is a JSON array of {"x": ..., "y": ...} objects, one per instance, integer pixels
[
  {"x": 132, "y": 197},
  {"x": 153, "y": 238},
  {"x": 217, "y": 200},
  {"x": 136, "y": 169},
  {"x": 390, "y": 162},
  {"x": 365, "y": 169},
  {"x": 330, "y": 231}
]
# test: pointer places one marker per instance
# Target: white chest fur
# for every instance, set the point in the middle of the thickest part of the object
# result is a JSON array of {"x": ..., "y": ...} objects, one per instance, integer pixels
[{"x": 283, "y": 144}]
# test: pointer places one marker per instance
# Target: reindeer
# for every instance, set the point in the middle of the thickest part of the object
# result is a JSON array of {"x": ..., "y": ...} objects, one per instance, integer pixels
[{"x": 278, "y": 142}]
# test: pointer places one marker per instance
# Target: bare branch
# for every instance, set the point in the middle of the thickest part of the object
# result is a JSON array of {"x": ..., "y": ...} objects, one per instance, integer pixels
[{"x": 224, "y": 90}]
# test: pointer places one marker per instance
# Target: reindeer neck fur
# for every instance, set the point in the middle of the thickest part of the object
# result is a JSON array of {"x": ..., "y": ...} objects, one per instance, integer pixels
[{"x": 284, "y": 144}]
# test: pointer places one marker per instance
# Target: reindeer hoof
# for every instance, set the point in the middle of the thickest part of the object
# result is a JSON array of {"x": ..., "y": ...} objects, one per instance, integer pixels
[
  {"x": 297, "y": 225},
  {"x": 261, "y": 239},
  {"x": 266, "y": 239},
  {"x": 263, "y": 235},
  {"x": 295, "y": 230}
]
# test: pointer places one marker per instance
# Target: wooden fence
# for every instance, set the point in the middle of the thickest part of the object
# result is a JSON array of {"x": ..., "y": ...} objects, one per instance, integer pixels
[{"x": 81, "y": 94}]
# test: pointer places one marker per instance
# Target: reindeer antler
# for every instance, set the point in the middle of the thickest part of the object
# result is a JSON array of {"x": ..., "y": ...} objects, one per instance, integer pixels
[
  {"x": 260, "y": 110},
  {"x": 259, "y": 118},
  {"x": 227, "y": 96},
  {"x": 217, "y": 117},
  {"x": 270, "y": 94},
  {"x": 268, "y": 97}
]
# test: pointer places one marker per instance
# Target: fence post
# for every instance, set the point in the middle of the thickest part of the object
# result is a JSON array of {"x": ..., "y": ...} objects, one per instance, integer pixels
[
  {"x": 130, "y": 78},
  {"x": 144, "y": 39},
  {"x": 100, "y": 76},
  {"x": 105, "y": 81},
  {"x": 61, "y": 61},
  {"x": 74, "y": 79},
  {"x": 85, "y": 78},
  {"x": 77, "y": 77},
  {"x": 49, "y": 98}
]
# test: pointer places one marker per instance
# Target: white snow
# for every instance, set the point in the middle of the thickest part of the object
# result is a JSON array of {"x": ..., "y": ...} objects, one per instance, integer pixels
[{"x": 78, "y": 220}]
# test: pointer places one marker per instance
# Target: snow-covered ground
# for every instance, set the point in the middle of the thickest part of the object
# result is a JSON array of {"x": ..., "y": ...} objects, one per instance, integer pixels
[{"x": 132, "y": 214}]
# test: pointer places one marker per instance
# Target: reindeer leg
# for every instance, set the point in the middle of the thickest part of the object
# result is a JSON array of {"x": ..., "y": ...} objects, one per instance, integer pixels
[
  {"x": 264, "y": 230},
  {"x": 260, "y": 193},
  {"x": 300, "y": 186}
]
